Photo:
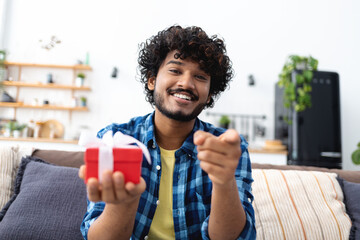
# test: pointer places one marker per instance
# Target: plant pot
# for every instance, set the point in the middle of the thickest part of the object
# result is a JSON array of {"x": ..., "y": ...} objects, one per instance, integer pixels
[
  {"x": 16, "y": 133},
  {"x": 79, "y": 82},
  {"x": 224, "y": 125}
]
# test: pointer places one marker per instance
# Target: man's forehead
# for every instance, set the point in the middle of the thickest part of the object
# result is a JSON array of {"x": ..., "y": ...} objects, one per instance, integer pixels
[{"x": 172, "y": 58}]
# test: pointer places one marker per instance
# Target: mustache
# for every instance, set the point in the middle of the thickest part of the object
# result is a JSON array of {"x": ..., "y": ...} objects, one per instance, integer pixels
[{"x": 180, "y": 90}]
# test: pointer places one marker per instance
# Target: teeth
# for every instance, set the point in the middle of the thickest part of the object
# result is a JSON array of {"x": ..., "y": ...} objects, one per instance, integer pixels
[{"x": 182, "y": 96}]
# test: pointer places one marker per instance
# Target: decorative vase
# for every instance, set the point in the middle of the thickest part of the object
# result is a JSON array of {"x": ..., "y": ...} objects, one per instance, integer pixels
[{"x": 7, "y": 133}]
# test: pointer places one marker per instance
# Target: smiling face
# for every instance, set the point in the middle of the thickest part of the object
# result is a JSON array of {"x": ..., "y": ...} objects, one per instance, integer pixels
[{"x": 181, "y": 88}]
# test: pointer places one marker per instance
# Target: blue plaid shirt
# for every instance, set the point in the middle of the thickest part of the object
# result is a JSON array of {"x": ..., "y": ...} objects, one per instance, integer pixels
[{"x": 191, "y": 185}]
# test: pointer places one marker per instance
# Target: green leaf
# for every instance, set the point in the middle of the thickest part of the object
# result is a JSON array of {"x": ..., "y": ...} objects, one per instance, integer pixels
[
  {"x": 355, "y": 156},
  {"x": 299, "y": 79},
  {"x": 308, "y": 75},
  {"x": 295, "y": 58},
  {"x": 298, "y": 108},
  {"x": 289, "y": 69},
  {"x": 307, "y": 100},
  {"x": 313, "y": 63},
  {"x": 292, "y": 97},
  {"x": 299, "y": 98},
  {"x": 307, "y": 88},
  {"x": 301, "y": 92}
]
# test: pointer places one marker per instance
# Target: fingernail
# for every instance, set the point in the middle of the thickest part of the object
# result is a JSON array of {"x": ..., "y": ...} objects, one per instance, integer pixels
[{"x": 117, "y": 179}]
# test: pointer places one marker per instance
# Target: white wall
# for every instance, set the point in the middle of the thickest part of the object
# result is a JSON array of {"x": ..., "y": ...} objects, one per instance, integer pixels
[
  {"x": 259, "y": 36},
  {"x": 3, "y": 14}
]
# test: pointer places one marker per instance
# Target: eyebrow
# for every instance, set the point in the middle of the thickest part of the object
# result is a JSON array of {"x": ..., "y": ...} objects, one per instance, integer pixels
[{"x": 175, "y": 62}]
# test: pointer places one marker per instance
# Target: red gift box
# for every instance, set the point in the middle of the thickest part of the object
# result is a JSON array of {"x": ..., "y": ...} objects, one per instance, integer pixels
[{"x": 126, "y": 160}]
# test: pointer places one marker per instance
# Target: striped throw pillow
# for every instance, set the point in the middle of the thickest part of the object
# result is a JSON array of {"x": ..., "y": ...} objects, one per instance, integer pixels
[
  {"x": 293, "y": 204},
  {"x": 10, "y": 158}
]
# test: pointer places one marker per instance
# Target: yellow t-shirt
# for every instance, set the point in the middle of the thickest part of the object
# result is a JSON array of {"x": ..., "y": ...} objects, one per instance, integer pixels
[{"x": 162, "y": 226}]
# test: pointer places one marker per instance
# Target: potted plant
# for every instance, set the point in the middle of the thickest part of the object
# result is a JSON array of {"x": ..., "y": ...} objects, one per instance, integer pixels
[
  {"x": 224, "y": 121},
  {"x": 297, "y": 94},
  {"x": 18, "y": 129},
  {"x": 355, "y": 156},
  {"x": 14, "y": 128},
  {"x": 83, "y": 101},
  {"x": 80, "y": 80}
]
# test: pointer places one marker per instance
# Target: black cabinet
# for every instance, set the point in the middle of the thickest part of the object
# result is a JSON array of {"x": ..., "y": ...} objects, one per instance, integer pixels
[{"x": 314, "y": 137}]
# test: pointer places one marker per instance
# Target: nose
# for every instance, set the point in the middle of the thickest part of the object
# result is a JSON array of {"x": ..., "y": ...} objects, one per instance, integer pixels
[{"x": 186, "y": 81}]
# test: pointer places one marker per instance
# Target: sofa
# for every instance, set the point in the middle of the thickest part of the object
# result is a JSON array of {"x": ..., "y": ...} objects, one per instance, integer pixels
[{"x": 47, "y": 199}]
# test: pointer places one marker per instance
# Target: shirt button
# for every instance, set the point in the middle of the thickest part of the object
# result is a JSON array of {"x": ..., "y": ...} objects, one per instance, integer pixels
[
  {"x": 157, "y": 202},
  {"x": 189, "y": 155},
  {"x": 158, "y": 167},
  {"x": 146, "y": 237},
  {"x": 153, "y": 146}
]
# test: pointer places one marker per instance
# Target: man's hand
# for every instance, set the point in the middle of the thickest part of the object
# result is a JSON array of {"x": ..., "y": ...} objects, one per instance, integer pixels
[
  {"x": 219, "y": 156},
  {"x": 112, "y": 190}
]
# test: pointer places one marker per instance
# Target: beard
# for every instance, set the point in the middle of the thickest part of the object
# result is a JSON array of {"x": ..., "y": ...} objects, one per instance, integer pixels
[{"x": 176, "y": 115}]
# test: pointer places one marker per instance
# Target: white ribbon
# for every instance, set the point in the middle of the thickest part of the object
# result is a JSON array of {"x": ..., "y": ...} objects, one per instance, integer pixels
[
  {"x": 106, "y": 144},
  {"x": 106, "y": 160}
]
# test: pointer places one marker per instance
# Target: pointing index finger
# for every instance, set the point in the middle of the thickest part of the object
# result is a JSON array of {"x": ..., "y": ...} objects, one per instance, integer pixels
[
  {"x": 230, "y": 136},
  {"x": 199, "y": 137}
]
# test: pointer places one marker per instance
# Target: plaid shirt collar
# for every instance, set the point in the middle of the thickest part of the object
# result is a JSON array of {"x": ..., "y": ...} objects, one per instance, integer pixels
[{"x": 188, "y": 146}]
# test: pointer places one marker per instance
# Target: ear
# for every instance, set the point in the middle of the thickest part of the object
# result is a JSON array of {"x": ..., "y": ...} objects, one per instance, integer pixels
[
  {"x": 208, "y": 99},
  {"x": 151, "y": 83}
]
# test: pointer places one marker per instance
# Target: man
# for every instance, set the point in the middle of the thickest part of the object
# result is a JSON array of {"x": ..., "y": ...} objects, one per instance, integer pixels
[{"x": 199, "y": 183}]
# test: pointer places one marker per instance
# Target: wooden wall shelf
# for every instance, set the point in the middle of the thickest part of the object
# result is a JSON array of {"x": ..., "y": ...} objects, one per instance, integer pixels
[
  {"x": 42, "y": 85},
  {"x": 47, "y": 107},
  {"x": 20, "y": 84},
  {"x": 29, "y": 139},
  {"x": 75, "y": 67}
]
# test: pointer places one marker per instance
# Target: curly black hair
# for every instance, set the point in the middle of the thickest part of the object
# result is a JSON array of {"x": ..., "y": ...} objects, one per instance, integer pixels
[{"x": 190, "y": 42}]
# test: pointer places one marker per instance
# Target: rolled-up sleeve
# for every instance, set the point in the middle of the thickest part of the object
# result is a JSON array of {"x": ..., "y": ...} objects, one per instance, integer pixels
[{"x": 93, "y": 212}]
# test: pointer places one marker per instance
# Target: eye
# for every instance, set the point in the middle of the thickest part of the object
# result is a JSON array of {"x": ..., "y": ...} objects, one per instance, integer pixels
[
  {"x": 174, "y": 71},
  {"x": 201, "y": 77}
]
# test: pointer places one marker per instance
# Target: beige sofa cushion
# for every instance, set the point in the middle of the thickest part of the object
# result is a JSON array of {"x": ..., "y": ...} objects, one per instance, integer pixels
[
  {"x": 10, "y": 158},
  {"x": 292, "y": 204}
]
